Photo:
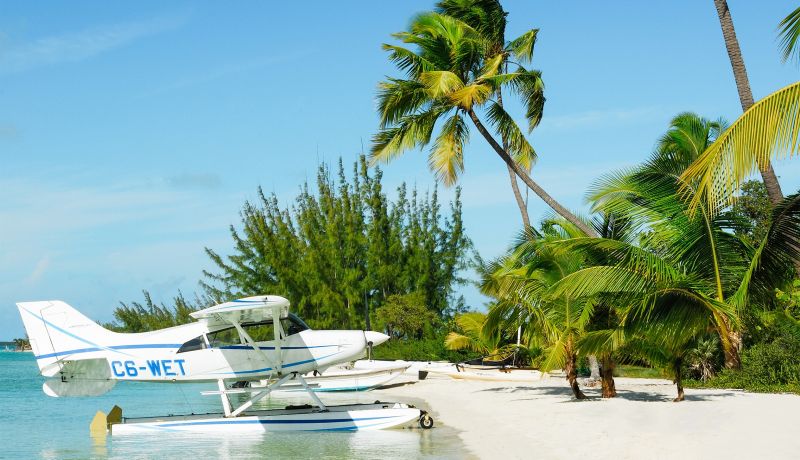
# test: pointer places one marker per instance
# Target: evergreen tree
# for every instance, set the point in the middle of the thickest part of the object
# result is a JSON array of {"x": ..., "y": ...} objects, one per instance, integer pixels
[{"x": 338, "y": 253}]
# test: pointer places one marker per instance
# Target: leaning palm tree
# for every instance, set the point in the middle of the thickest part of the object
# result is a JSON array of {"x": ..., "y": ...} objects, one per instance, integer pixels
[
  {"x": 746, "y": 95},
  {"x": 449, "y": 81},
  {"x": 489, "y": 19},
  {"x": 520, "y": 282}
]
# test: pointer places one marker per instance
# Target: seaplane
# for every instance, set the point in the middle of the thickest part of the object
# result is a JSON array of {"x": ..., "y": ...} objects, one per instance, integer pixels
[{"x": 244, "y": 340}]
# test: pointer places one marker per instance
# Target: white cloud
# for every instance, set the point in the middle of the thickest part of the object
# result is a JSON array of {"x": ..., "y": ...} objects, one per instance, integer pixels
[
  {"x": 80, "y": 45},
  {"x": 594, "y": 118},
  {"x": 223, "y": 71}
]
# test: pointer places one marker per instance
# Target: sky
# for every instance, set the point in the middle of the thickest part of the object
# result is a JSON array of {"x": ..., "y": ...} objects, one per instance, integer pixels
[{"x": 131, "y": 133}]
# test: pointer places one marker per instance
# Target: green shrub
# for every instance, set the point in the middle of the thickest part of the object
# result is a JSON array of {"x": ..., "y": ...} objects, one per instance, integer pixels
[
  {"x": 766, "y": 367},
  {"x": 427, "y": 349}
]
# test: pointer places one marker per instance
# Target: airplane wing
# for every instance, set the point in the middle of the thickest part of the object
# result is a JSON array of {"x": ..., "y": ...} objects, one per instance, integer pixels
[{"x": 246, "y": 310}]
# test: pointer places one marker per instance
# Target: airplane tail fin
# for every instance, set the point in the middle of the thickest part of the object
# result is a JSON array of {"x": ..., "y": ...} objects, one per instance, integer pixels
[{"x": 56, "y": 330}]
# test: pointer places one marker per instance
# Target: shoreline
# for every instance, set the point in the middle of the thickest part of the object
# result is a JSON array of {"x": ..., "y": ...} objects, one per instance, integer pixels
[{"x": 541, "y": 419}]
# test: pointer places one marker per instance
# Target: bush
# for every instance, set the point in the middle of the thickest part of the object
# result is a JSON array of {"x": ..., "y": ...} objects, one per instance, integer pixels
[
  {"x": 429, "y": 349},
  {"x": 766, "y": 367}
]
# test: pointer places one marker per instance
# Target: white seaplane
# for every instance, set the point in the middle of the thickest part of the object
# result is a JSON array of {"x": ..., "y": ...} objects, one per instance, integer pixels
[{"x": 247, "y": 339}]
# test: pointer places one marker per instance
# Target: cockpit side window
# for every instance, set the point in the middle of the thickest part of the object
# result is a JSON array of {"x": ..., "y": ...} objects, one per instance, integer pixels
[
  {"x": 224, "y": 337},
  {"x": 197, "y": 343},
  {"x": 260, "y": 332}
]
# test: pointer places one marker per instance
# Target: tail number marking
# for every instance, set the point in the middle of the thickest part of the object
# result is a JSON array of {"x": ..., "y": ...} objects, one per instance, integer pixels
[{"x": 153, "y": 367}]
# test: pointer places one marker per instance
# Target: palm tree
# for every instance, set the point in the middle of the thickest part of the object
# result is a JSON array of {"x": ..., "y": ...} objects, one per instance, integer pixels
[
  {"x": 520, "y": 282},
  {"x": 689, "y": 271},
  {"x": 448, "y": 80},
  {"x": 696, "y": 257},
  {"x": 489, "y": 18},
  {"x": 474, "y": 338},
  {"x": 745, "y": 94}
]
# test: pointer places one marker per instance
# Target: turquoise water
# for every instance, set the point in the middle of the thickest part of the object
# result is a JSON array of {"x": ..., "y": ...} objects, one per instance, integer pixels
[{"x": 33, "y": 425}]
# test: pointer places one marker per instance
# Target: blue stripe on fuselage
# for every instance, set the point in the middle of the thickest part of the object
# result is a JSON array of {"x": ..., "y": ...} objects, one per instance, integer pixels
[
  {"x": 248, "y": 347},
  {"x": 254, "y": 371},
  {"x": 112, "y": 348}
]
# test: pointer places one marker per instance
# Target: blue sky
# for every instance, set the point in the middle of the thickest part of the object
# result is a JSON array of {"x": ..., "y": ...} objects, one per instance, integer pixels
[{"x": 131, "y": 133}]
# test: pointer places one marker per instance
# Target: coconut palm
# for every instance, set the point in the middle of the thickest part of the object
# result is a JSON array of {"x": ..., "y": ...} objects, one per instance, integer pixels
[
  {"x": 448, "y": 81},
  {"x": 605, "y": 336},
  {"x": 746, "y": 96},
  {"x": 489, "y": 19},
  {"x": 699, "y": 253},
  {"x": 520, "y": 282},
  {"x": 689, "y": 272}
]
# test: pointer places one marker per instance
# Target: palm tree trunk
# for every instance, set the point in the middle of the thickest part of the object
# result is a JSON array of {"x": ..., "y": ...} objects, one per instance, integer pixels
[
  {"x": 731, "y": 342},
  {"x": 523, "y": 206},
  {"x": 678, "y": 381},
  {"x": 607, "y": 374},
  {"x": 745, "y": 94},
  {"x": 522, "y": 174},
  {"x": 571, "y": 368},
  {"x": 594, "y": 369}
]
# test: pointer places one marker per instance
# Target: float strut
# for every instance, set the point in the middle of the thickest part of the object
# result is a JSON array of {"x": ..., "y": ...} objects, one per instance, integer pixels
[
  {"x": 257, "y": 397},
  {"x": 311, "y": 393},
  {"x": 226, "y": 403}
]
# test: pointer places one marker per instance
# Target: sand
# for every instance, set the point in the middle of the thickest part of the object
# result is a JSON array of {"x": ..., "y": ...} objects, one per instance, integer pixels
[{"x": 542, "y": 420}]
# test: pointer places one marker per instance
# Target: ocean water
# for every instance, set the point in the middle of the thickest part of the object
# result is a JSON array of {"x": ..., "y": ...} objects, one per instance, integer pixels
[{"x": 33, "y": 425}]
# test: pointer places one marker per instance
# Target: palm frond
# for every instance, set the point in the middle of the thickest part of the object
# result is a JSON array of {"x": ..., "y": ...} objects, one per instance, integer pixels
[
  {"x": 446, "y": 158},
  {"x": 407, "y": 60},
  {"x": 411, "y": 131},
  {"x": 440, "y": 83},
  {"x": 522, "y": 46},
  {"x": 470, "y": 95},
  {"x": 519, "y": 147},
  {"x": 768, "y": 131},
  {"x": 398, "y": 98},
  {"x": 789, "y": 33}
]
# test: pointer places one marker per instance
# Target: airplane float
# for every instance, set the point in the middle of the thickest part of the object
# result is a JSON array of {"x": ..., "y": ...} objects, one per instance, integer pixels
[{"x": 249, "y": 339}]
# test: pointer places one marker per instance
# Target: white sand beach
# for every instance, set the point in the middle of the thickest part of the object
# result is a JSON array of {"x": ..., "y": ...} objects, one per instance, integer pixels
[{"x": 542, "y": 420}]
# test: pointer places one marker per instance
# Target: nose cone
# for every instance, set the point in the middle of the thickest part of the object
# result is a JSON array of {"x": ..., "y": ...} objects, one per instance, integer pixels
[{"x": 375, "y": 337}]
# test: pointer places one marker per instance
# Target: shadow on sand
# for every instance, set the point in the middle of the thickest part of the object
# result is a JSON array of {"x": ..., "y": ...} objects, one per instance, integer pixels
[
  {"x": 593, "y": 394},
  {"x": 396, "y": 385}
]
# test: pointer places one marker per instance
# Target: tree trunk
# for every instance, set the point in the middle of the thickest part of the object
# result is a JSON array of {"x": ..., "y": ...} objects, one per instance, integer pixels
[
  {"x": 523, "y": 207},
  {"x": 594, "y": 368},
  {"x": 609, "y": 388},
  {"x": 678, "y": 381},
  {"x": 572, "y": 376},
  {"x": 522, "y": 174},
  {"x": 732, "y": 358},
  {"x": 731, "y": 342},
  {"x": 745, "y": 94}
]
